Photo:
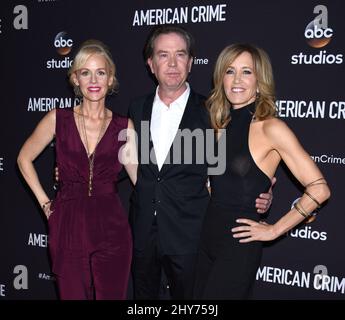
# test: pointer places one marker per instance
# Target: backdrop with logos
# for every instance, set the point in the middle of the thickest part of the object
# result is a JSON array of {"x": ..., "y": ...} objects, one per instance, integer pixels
[{"x": 305, "y": 42}]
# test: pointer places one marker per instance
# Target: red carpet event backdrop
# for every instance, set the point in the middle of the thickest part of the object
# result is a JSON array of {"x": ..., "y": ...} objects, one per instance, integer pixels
[{"x": 305, "y": 40}]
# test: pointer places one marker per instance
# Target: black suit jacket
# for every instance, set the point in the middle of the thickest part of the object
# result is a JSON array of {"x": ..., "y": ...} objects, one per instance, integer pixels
[{"x": 177, "y": 193}]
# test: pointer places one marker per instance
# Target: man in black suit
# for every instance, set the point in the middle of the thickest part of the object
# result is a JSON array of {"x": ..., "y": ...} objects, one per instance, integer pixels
[{"x": 170, "y": 196}]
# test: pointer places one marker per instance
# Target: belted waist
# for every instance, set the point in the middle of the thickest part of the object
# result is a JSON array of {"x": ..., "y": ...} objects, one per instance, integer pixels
[{"x": 72, "y": 190}]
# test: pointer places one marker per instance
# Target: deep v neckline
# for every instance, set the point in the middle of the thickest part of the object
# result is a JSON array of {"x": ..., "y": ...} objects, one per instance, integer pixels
[{"x": 80, "y": 139}]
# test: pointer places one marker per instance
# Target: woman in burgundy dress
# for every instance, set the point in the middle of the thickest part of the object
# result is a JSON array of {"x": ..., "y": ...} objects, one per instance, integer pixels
[{"x": 89, "y": 236}]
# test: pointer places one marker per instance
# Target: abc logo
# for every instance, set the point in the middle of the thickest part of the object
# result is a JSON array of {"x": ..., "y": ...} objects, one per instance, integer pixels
[
  {"x": 63, "y": 43},
  {"x": 318, "y": 33},
  {"x": 317, "y": 37}
]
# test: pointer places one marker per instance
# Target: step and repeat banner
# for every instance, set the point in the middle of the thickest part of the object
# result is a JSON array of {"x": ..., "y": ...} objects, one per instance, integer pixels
[{"x": 305, "y": 40}]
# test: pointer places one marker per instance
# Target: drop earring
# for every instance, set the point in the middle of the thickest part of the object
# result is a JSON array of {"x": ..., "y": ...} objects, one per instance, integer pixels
[{"x": 77, "y": 90}]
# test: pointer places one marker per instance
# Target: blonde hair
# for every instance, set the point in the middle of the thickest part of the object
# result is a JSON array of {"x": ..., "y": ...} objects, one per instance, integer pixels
[
  {"x": 86, "y": 50},
  {"x": 219, "y": 105}
]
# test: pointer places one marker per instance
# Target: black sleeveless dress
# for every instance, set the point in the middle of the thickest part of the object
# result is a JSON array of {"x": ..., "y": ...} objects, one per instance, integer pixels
[{"x": 226, "y": 269}]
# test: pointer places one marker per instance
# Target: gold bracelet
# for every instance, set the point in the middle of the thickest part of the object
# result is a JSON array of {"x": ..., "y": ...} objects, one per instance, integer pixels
[
  {"x": 44, "y": 205},
  {"x": 312, "y": 198},
  {"x": 313, "y": 182},
  {"x": 304, "y": 214}
]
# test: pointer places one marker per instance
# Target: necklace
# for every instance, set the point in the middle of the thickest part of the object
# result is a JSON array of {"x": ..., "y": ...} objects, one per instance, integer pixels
[{"x": 91, "y": 156}]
